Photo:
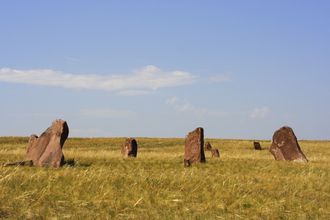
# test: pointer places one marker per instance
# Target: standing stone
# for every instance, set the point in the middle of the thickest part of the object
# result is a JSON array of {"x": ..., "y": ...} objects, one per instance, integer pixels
[
  {"x": 46, "y": 150},
  {"x": 194, "y": 147},
  {"x": 215, "y": 152},
  {"x": 33, "y": 138},
  {"x": 256, "y": 145},
  {"x": 285, "y": 146},
  {"x": 129, "y": 148},
  {"x": 208, "y": 146}
]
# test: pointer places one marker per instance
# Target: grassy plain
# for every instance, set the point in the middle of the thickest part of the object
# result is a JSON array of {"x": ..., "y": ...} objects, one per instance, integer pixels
[{"x": 242, "y": 184}]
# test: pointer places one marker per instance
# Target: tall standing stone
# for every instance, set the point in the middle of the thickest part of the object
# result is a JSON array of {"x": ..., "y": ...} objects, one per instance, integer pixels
[
  {"x": 129, "y": 148},
  {"x": 285, "y": 146},
  {"x": 194, "y": 147},
  {"x": 46, "y": 150}
]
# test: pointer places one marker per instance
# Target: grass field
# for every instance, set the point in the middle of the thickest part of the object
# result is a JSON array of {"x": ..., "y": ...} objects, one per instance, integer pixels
[{"x": 242, "y": 184}]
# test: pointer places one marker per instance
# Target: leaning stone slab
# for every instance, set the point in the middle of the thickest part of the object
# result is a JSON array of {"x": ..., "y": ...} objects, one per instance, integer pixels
[
  {"x": 194, "y": 147},
  {"x": 129, "y": 148},
  {"x": 46, "y": 150},
  {"x": 285, "y": 146}
]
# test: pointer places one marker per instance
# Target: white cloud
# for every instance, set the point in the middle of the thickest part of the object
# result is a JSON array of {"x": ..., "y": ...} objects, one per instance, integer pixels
[
  {"x": 133, "y": 92},
  {"x": 186, "y": 107},
  {"x": 106, "y": 113},
  {"x": 172, "y": 100},
  {"x": 260, "y": 112},
  {"x": 141, "y": 81}
]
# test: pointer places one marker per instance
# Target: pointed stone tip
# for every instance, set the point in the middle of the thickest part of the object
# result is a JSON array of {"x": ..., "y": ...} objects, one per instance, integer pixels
[
  {"x": 200, "y": 129},
  {"x": 59, "y": 127}
]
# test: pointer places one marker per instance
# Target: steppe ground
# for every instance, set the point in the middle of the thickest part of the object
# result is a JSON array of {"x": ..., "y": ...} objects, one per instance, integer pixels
[{"x": 242, "y": 184}]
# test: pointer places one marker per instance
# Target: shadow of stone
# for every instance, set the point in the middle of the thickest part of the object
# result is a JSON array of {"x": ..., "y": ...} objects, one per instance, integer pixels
[
  {"x": 69, "y": 162},
  {"x": 72, "y": 163}
]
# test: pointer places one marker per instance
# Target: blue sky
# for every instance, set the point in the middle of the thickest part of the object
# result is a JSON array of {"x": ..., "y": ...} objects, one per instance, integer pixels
[{"x": 240, "y": 69}]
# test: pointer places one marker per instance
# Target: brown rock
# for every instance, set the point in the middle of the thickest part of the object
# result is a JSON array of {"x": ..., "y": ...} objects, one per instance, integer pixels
[
  {"x": 208, "y": 146},
  {"x": 256, "y": 145},
  {"x": 46, "y": 151},
  {"x": 129, "y": 148},
  {"x": 194, "y": 147},
  {"x": 285, "y": 146},
  {"x": 215, "y": 152},
  {"x": 33, "y": 138}
]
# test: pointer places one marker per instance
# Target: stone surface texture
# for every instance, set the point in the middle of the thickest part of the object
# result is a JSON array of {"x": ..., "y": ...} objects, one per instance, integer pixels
[
  {"x": 194, "y": 147},
  {"x": 285, "y": 146},
  {"x": 46, "y": 150},
  {"x": 129, "y": 148}
]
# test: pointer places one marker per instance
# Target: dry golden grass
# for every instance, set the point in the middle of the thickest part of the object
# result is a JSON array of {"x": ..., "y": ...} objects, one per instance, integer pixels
[{"x": 242, "y": 184}]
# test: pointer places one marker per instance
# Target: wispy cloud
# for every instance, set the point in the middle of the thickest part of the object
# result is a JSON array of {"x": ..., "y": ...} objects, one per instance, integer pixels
[
  {"x": 186, "y": 107},
  {"x": 141, "y": 81},
  {"x": 172, "y": 101},
  {"x": 261, "y": 112},
  {"x": 106, "y": 113},
  {"x": 134, "y": 92}
]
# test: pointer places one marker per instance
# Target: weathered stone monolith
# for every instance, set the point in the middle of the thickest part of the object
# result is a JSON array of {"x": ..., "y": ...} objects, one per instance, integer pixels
[
  {"x": 129, "y": 148},
  {"x": 46, "y": 150},
  {"x": 256, "y": 145},
  {"x": 285, "y": 146},
  {"x": 194, "y": 147}
]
